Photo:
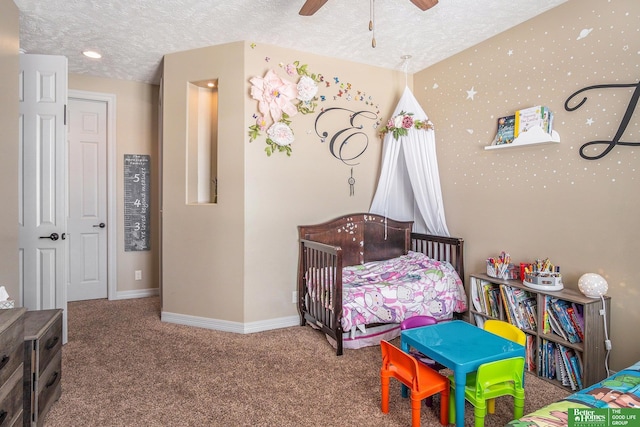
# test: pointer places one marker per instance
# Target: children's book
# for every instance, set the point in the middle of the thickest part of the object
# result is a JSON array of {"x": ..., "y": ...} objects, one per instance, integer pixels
[
  {"x": 573, "y": 317},
  {"x": 530, "y": 117},
  {"x": 506, "y": 129}
]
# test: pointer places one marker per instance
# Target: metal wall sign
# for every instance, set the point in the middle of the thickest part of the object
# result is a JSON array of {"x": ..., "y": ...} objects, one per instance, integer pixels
[{"x": 137, "y": 220}]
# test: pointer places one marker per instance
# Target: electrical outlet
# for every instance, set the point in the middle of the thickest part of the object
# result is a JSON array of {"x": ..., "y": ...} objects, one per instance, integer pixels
[
  {"x": 138, "y": 274},
  {"x": 294, "y": 297}
]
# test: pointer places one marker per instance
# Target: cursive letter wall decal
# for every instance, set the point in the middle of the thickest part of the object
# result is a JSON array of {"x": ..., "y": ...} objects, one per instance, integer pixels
[
  {"x": 623, "y": 125},
  {"x": 352, "y": 134}
]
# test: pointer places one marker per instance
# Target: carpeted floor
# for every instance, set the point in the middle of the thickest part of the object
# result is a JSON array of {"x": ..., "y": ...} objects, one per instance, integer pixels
[{"x": 122, "y": 366}]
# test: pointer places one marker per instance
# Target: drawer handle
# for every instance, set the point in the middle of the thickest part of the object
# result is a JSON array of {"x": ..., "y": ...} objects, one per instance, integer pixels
[
  {"x": 3, "y": 416},
  {"x": 52, "y": 343},
  {"x": 52, "y": 380},
  {"x": 4, "y": 361}
]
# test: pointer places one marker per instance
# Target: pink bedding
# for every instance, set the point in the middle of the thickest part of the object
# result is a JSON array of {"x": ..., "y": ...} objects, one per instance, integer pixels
[{"x": 390, "y": 291}]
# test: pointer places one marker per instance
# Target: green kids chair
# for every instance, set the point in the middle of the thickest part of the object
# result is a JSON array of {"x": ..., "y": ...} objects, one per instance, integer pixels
[
  {"x": 494, "y": 379},
  {"x": 508, "y": 331}
]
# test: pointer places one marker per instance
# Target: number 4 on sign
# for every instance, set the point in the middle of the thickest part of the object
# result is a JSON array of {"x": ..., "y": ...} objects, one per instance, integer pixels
[{"x": 137, "y": 203}]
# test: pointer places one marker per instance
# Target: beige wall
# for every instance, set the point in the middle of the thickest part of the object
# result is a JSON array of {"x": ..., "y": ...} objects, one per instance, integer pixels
[
  {"x": 136, "y": 133},
  {"x": 203, "y": 243},
  {"x": 547, "y": 201},
  {"x": 237, "y": 260},
  {"x": 9, "y": 111}
]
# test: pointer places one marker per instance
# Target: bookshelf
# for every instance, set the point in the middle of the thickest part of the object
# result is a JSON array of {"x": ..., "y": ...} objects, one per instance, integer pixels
[
  {"x": 535, "y": 136},
  {"x": 534, "y": 311}
]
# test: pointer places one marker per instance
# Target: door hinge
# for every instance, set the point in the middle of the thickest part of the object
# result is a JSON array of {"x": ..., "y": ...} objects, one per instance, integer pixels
[{"x": 65, "y": 114}]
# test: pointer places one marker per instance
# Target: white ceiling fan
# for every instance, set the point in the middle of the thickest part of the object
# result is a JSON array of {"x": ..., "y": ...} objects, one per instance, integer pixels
[{"x": 312, "y": 6}]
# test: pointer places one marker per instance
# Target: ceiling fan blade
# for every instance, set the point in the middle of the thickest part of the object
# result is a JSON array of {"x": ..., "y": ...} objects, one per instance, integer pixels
[
  {"x": 311, "y": 6},
  {"x": 425, "y": 4}
]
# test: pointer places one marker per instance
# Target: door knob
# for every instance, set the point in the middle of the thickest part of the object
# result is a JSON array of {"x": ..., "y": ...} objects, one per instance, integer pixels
[
  {"x": 101, "y": 225},
  {"x": 52, "y": 236}
]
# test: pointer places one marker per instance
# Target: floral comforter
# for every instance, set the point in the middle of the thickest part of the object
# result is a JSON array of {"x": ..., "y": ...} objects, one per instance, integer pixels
[{"x": 390, "y": 291}]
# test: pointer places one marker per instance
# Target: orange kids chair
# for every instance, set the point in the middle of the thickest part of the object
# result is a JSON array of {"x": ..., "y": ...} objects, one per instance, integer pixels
[
  {"x": 417, "y": 322},
  {"x": 421, "y": 380}
]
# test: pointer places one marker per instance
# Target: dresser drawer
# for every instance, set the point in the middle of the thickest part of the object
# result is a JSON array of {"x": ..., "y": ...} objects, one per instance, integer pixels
[
  {"x": 11, "y": 353},
  {"x": 49, "y": 385},
  {"x": 11, "y": 400},
  {"x": 43, "y": 363},
  {"x": 50, "y": 344}
]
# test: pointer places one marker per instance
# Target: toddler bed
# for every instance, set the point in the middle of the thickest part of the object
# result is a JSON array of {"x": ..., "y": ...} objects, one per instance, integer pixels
[
  {"x": 619, "y": 390},
  {"x": 362, "y": 270}
]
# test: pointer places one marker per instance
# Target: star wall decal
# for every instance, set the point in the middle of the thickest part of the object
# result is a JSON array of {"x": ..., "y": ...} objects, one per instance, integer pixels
[{"x": 471, "y": 93}]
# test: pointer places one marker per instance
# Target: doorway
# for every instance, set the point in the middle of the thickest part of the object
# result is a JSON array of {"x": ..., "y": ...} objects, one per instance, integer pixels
[{"x": 91, "y": 220}]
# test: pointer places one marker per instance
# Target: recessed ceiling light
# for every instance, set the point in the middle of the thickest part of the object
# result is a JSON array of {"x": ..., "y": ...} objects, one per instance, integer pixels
[{"x": 92, "y": 54}]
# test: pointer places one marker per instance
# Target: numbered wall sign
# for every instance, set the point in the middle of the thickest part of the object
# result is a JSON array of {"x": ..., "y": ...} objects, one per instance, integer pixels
[{"x": 137, "y": 168}]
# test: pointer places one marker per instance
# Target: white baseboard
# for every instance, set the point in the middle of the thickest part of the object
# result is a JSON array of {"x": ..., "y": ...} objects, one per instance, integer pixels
[
  {"x": 141, "y": 293},
  {"x": 227, "y": 326}
]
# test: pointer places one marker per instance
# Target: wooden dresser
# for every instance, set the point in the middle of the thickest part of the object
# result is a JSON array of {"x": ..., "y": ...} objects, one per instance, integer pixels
[
  {"x": 11, "y": 361},
  {"x": 42, "y": 363}
]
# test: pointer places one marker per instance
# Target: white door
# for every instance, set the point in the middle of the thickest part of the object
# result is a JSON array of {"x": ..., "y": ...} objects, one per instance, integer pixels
[
  {"x": 87, "y": 220},
  {"x": 42, "y": 210}
]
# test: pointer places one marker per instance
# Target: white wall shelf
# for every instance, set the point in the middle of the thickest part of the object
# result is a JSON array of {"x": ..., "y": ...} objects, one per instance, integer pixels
[{"x": 533, "y": 136}]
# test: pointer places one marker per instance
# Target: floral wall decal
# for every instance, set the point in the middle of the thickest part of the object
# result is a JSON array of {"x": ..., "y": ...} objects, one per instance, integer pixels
[
  {"x": 279, "y": 100},
  {"x": 399, "y": 125}
]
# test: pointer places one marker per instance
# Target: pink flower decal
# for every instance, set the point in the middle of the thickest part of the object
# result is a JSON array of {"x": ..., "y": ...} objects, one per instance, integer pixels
[
  {"x": 407, "y": 122},
  {"x": 291, "y": 69},
  {"x": 261, "y": 123},
  {"x": 274, "y": 95},
  {"x": 400, "y": 124}
]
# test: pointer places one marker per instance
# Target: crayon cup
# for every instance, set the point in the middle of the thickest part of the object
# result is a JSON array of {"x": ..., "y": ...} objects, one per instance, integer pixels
[{"x": 523, "y": 265}]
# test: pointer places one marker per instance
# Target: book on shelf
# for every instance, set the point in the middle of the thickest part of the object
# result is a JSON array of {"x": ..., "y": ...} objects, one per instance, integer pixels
[
  {"x": 509, "y": 306},
  {"x": 485, "y": 297},
  {"x": 530, "y": 348},
  {"x": 560, "y": 309},
  {"x": 570, "y": 376},
  {"x": 555, "y": 326},
  {"x": 475, "y": 295},
  {"x": 575, "y": 367},
  {"x": 520, "y": 307},
  {"x": 576, "y": 320},
  {"x": 546, "y": 326},
  {"x": 527, "y": 118},
  {"x": 494, "y": 302},
  {"x": 561, "y": 372},
  {"x": 506, "y": 129},
  {"x": 570, "y": 359}
]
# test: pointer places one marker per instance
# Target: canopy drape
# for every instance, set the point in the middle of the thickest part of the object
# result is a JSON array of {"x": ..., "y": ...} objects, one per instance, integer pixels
[{"x": 409, "y": 185}]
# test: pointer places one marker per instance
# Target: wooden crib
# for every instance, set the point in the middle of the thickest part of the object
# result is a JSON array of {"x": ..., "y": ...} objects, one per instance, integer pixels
[{"x": 326, "y": 248}]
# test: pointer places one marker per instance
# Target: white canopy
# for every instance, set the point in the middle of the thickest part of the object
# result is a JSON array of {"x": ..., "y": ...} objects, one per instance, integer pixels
[{"x": 409, "y": 184}]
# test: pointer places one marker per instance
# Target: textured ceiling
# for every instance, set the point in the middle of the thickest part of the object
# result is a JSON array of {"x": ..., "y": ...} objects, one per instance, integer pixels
[{"x": 133, "y": 35}]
